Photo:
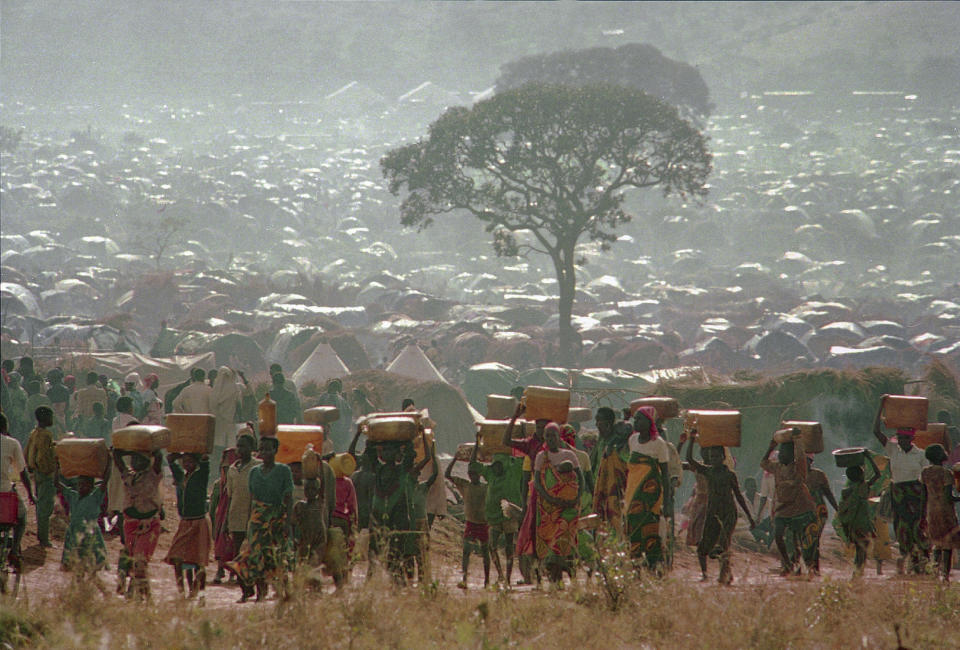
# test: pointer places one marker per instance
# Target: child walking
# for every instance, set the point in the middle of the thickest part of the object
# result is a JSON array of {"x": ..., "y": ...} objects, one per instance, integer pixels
[
  {"x": 476, "y": 533},
  {"x": 720, "y": 517},
  {"x": 190, "y": 548},
  {"x": 84, "y": 551},
  {"x": 854, "y": 514}
]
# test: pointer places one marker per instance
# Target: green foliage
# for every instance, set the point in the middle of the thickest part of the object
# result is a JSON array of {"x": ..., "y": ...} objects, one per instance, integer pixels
[
  {"x": 555, "y": 161},
  {"x": 635, "y": 65}
]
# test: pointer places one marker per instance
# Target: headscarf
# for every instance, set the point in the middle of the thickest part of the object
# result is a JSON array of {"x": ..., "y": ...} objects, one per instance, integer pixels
[
  {"x": 651, "y": 414},
  {"x": 551, "y": 426},
  {"x": 132, "y": 378},
  {"x": 248, "y": 433},
  {"x": 909, "y": 432},
  {"x": 229, "y": 457},
  {"x": 568, "y": 435},
  {"x": 343, "y": 465},
  {"x": 151, "y": 380},
  {"x": 225, "y": 392}
]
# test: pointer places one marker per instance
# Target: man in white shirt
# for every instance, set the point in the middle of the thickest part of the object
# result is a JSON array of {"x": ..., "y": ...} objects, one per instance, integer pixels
[
  {"x": 906, "y": 492},
  {"x": 195, "y": 398},
  {"x": 12, "y": 465}
]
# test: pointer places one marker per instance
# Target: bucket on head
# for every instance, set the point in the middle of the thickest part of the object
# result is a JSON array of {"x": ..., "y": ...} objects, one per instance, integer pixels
[{"x": 849, "y": 456}]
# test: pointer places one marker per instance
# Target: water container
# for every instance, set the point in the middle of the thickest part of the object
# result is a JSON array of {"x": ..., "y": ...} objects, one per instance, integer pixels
[
  {"x": 934, "y": 434},
  {"x": 142, "y": 438},
  {"x": 191, "y": 433},
  {"x": 717, "y": 428},
  {"x": 418, "y": 444},
  {"x": 321, "y": 415},
  {"x": 392, "y": 429},
  {"x": 310, "y": 462},
  {"x": 848, "y": 457},
  {"x": 501, "y": 407},
  {"x": 293, "y": 439},
  {"x": 579, "y": 414},
  {"x": 267, "y": 417},
  {"x": 491, "y": 434},
  {"x": 666, "y": 407},
  {"x": 82, "y": 457},
  {"x": 905, "y": 412},
  {"x": 545, "y": 403},
  {"x": 811, "y": 434}
]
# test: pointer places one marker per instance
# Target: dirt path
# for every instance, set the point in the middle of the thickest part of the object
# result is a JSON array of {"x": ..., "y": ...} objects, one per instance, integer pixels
[{"x": 43, "y": 574}]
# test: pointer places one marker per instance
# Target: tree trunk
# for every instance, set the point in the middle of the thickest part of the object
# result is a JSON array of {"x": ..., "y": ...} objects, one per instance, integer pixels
[{"x": 569, "y": 352}]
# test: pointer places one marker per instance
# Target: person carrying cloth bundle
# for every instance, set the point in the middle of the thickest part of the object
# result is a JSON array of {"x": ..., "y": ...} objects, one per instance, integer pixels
[
  {"x": 558, "y": 482},
  {"x": 793, "y": 507},
  {"x": 720, "y": 515},
  {"x": 142, "y": 512},
  {"x": 648, "y": 491},
  {"x": 190, "y": 548},
  {"x": 267, "y": 554},
  {"x": 906, "y": 491}
]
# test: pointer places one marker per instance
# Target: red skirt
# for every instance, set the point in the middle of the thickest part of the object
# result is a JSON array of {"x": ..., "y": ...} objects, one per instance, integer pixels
[
  {"x": 476, "y": 532},
  {"x": 141, "y": 537}
]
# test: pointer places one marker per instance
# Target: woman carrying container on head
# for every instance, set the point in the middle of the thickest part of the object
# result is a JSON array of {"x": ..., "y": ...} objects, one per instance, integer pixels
[
  {"x": 648, "y": 490},
  {"x": 268, "y": 552},
  {"x": 558, "y": 482},
  {"x": 906, "y": 463}
]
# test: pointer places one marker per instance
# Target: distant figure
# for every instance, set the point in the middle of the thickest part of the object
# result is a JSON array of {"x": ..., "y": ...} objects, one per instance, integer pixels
[
  {"x": 339, "y": 430},
  {"x": 89, "y": 395},
  {"x": 43, "y": 463},
  {"x": 195, "y": 398},
  {"x": 288, "y": 404},
  {"x": 224, "y": 401}
]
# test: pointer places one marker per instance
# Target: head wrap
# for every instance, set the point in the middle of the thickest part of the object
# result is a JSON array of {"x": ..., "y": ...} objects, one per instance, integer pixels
[
  {"x": 247, "y": 432},
  {"x": 70, "y": 380},
  {"x": 568, "y": 435},
  {"x": 651, "y": 414},
  {"x": 229, "y": 457},
  {"x": 132, "y": 378},
  {"x": 907, "y": 431},
  {"x": 151, "y": 380},
  {"x": 551, "y": 426}
]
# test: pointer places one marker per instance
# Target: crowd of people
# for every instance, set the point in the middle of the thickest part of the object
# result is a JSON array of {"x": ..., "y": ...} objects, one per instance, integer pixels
[{"x": 559, "y": 501}]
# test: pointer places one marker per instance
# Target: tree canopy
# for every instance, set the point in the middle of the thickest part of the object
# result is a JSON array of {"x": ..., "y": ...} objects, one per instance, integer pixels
[
  {"x": 552, "y": 160},
  {"x": 634, "y": 65}
]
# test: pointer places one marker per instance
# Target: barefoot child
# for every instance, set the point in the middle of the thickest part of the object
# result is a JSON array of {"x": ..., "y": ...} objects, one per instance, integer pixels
[
  {"x": 720, "y": 516},
  {"x": 84, "y": 550},
  {"x": 190, "y": 548},
  {"x": 941, "y": 517},
  {"x": 141, "y": 517},
  {"x": 854, "y": 515},
  {"x": 476, "y": 532},
  {"x": 309, "y": 524}
]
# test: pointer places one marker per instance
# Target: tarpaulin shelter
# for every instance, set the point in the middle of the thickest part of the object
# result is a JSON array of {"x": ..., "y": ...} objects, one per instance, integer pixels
[{"x": 321, "y": 366}]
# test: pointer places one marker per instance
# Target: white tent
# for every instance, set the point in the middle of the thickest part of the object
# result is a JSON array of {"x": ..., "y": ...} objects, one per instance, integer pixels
[
  {"x": 413, "y": 363},
  {"x": 321, "y": 366}
]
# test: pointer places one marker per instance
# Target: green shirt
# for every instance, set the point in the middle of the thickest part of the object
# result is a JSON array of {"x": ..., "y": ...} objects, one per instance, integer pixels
[
  {"x": 191, "y": 490},
  {"x": 273, "y": 486},
  {"x": 508, "y": 486}
]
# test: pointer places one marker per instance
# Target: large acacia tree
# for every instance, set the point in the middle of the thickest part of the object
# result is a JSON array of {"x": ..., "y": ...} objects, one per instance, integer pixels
[{"x": 552, "y": 160}]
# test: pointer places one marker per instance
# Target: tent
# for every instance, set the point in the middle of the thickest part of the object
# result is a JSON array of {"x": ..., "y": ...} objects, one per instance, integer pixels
[
  {"x": 170, "y": 370},
  {"x": 321, "y": 366},
  {"x": 413, "y": 363}
]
